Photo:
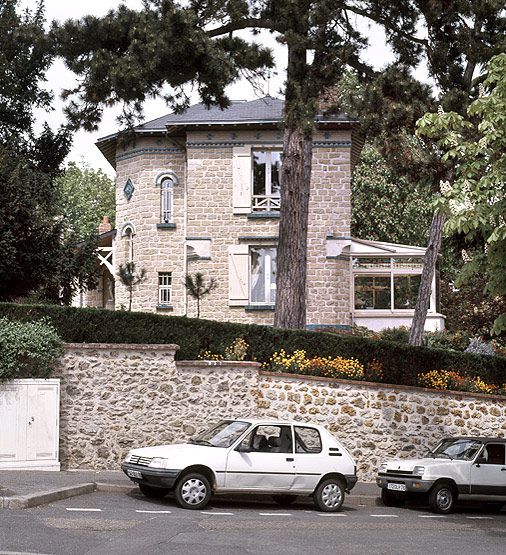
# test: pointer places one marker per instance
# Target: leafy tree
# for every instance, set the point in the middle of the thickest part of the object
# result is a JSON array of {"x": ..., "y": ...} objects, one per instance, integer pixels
[
  {"x": 87, "y": 195},
  {"x": 128, "y": 56},
  {"x": 197, "y": 288},
  {"x": 130, "y": 279},
  {"x": 475, "y": 199}
]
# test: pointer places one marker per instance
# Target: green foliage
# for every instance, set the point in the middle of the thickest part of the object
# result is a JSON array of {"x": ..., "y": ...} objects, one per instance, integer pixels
[
  {"x": 197, "y": 288},
  {"x": 87, "y": 195},
  {"x": 28, "y": 349},
  {"x": 386, "y": 207},
  {"x": 129, "y": 278},
  {"x": 400, "y": 363},
  {"x": 476, "y": 199}
]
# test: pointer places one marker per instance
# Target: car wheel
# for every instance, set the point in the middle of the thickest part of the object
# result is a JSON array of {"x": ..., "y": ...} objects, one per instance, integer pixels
[
  {"x": 193, "y": 491},
  {"x": 329, "y": 495},
  {"x": 442, "y": 498},
  {"x": 153, "y": 493},
  {"x": 284, "y": 500},
  {"x": 390, "y": 499}
]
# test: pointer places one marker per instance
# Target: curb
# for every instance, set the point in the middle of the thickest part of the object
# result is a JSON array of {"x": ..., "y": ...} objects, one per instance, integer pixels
[{"x": 26, "y": 501}]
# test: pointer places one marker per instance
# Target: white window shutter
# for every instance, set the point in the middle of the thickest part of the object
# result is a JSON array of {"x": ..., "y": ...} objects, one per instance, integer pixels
[
  {"x": 238, "y": 270},
  {"x": 241, "y": 172}
]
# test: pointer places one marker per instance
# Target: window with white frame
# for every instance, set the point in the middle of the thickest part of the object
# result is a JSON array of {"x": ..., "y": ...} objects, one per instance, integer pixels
[
  {"x": 167, "y": 200},
  {"x": 128, "y": 233},
  {"x": 266, "y": 180},
  {"x": 263, "y": 275},
  {"x": 384, "y": 283},
  {"x": 164, "y": 288}
]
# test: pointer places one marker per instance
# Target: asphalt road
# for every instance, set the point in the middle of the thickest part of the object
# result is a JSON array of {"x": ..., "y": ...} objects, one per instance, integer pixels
[{"x": 124, "y": 524}]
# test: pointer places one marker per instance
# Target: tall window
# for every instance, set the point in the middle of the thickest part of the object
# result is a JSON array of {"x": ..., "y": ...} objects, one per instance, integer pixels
[
  {"x": 263, "y": 275},
  {"x": 128, "y": 233},
  {"x": 266, "y": 180},
  {"x": 167, "y": 200},
  {"x": 164, "y": 288},
  {"x": 386, "y": 283}
]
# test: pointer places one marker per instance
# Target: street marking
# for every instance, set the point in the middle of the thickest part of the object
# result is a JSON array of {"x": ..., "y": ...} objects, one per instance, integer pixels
[
  {"x": 155, "y": 512},
  {"x": 480, "y": 517},
  {"x": 385, "y": 516},
  {"x": 431, "y": 516},
  {"x": 331, "y": 514},
  {"x": 84, "y": 510},
  {"x": 215, "y": 513},
  {"x": 275, "y": 514}
]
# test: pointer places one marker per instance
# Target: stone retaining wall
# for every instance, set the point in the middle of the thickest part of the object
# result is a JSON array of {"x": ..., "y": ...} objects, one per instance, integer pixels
[{"x": 115, "y": 397}]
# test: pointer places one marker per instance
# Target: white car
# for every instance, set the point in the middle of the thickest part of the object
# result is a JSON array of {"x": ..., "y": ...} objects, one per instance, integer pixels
[
  {"x": 470, "y": 467},
  {"x": 284, "y": 459}
]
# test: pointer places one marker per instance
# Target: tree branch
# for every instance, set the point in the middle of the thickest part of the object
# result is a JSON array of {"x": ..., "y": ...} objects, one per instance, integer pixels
[{"x": 249, "y": 22}]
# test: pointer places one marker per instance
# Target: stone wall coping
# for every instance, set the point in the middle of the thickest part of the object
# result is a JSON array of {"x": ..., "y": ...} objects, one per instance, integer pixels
[
  {"x": 381, "y": 385},
  {"x": 189, "y": 364},
  {"x": 123, "y": 346}
]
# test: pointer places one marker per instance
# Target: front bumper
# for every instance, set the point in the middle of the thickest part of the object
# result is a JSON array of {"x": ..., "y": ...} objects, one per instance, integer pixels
[
  {"x": 351, "y": 480},
  {"x": 412, "y": 484},
  {"x": 155, "y": 477}
]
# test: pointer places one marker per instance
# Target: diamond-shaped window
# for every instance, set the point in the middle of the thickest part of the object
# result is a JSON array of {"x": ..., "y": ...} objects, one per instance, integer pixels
[{"x": 129, "y": 189}]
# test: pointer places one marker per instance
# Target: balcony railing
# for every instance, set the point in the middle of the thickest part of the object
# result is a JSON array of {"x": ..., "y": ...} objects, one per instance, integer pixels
[{"x": 265, "y": 203}]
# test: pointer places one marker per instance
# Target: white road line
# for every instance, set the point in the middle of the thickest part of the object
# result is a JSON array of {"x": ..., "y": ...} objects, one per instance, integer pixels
[
  {"x": 215, "y": 513},
  {"x": 83, "y": 510},
  {"x": 431, "y": 516},
  {"x": 385, "y": 516},
  {"x": 155, "y": 512},
  {"x": 275, "y": 514},
  {"x": 480, "y": 517},
  {"x": 331, "y": 514}
]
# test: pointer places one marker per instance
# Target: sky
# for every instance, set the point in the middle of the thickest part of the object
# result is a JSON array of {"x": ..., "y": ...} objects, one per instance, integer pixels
[{"x": 59, "y": 77}]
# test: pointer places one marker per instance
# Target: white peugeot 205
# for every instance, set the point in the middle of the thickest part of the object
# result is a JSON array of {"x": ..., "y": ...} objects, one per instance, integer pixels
[{"x": 283, "y": 459}]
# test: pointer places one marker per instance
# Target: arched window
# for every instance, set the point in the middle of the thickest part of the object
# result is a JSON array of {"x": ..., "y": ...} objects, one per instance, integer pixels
[
  {"x": 167, "y": 181},
  {"x": 128, "y": 233}
]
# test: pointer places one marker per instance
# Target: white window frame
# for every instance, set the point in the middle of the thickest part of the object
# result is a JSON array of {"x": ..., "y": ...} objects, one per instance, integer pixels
[
  {"x": 392, "y": 273},
  {"x": 268, "y": 202},
  {"x": 164, "y": 288},
  {"x": 128, "y": 232},
  {"x": 166, "y": 180},
  {"x": 268, "y": 284}
]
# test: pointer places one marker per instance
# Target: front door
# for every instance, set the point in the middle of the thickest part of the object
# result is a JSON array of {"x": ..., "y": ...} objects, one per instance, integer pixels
[
  {"x": 263, "y": 461},
  {"x": 489, "y": 477}
]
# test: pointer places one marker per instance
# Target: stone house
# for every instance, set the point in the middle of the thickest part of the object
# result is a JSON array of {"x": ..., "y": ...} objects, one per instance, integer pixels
[{"x": 200, "y": 192}]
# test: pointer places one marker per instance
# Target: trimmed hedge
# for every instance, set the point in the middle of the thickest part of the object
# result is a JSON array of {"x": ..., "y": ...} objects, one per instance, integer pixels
[{"x": 401, "y": 363}]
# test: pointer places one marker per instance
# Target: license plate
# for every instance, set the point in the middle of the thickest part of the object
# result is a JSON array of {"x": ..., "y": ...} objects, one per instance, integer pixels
[
  {"x": 397, "y": 487},
  {"x": 134, "y": 474}
]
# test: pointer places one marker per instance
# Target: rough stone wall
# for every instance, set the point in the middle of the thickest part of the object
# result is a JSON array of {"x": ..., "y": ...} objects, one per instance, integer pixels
[{"x": 115, "y": 397}]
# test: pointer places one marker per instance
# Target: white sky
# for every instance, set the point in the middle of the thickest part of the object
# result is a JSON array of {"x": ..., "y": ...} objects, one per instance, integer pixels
[{"x": 59, "y": 77}]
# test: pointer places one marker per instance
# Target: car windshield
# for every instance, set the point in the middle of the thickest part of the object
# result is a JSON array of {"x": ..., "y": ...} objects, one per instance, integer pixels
[
  {"x": 456, "y": 449},
  {"x": 222, "y": 435}
]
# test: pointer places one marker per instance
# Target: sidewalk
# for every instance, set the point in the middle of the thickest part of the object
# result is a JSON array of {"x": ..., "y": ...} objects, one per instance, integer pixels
[{"x": 20, "y": 489}]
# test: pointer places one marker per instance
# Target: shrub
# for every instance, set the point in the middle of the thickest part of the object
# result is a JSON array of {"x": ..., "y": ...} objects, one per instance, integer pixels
[
  {"x": 451, "y": 380},
  {"x": 28, "y": 349},
  {"x": 400, "y": 363},
  {"x": 480, "y": 347},
  {"x": 457, "y": 341},
  {"x": 399, "y": 335}
]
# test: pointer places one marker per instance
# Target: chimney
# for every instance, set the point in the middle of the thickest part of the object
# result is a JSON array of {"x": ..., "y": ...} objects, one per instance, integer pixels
[{"x": 104, "y": 226}]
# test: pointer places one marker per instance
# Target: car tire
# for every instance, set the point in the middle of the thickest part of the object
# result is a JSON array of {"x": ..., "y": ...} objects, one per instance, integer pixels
[
  {"x": 442, "y": 498},
  {"x": 193, "y": 491},
  {"x": 284, "y": 500},
  {"x": 153, "y": 493},
  {"x": 329, "y": 495},
  {"x": 390, "y": 499}
]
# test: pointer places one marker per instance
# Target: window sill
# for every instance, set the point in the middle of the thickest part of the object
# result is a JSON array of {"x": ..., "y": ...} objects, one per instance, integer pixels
[
  {"x": 166, "y": 226},
  {"x": 263, "y": 215},
  {"x": 252, "y": 307},
  {"x": 164, "y": 307}
]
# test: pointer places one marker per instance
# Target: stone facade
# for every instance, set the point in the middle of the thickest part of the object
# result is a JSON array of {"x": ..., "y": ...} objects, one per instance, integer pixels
[{"x": 115, "y": 397}]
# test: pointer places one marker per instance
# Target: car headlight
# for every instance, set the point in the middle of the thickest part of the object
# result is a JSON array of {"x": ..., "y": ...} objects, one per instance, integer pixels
[
  {"x": 418, "y": 470},
  {"x": 158, "y": 462},
  {"x": 128, "y": 458},
  {"x": 383, "y": 467}
]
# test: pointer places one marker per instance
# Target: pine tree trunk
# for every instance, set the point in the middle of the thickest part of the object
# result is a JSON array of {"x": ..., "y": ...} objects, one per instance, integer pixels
[
  {"x": 429, "y": 266},
  {"x": 295, "y": 176},
  {"x": 292, "y": 249}
]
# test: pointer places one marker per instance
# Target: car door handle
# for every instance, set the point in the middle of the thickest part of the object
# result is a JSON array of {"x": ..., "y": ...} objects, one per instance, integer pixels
[
  {"x": 290, "y": 459},
  {"x": 503, "y": 469}
]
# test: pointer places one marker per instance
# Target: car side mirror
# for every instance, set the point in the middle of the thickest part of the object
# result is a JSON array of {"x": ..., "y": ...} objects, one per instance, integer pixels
[
  {"x": 242, "y": 449},
  {"x": 480, "y": 460}
]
